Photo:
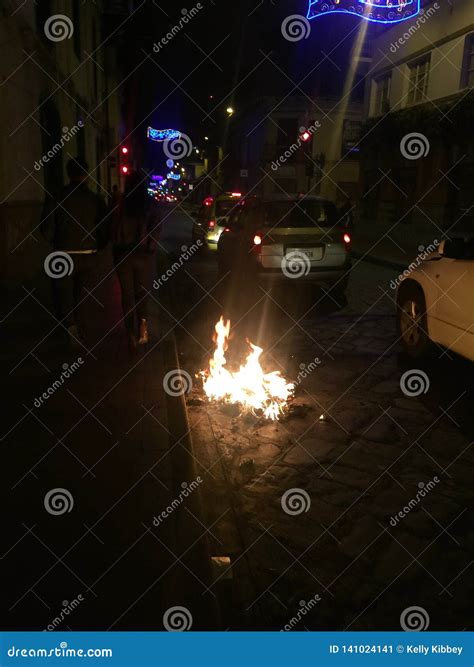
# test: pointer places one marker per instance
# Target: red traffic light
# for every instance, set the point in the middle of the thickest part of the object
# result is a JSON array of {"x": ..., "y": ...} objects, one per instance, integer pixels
[
  {"x": 305, "y": 136},
  {"x": 124, "y": 150},
  {"x": 124, "y": 169}
]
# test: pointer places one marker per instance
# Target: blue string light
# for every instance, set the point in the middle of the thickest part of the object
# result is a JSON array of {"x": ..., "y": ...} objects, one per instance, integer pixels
[
  {"x": 162, "y": 135},
  {"x": 377, "y": 11}
]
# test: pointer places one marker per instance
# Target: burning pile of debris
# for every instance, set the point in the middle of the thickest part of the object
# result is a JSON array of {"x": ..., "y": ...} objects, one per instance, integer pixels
[{"x": 262, "y": 394}]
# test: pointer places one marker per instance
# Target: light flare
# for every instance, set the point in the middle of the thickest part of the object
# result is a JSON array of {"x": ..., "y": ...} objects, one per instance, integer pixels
[{"x": 250, "y": 387}]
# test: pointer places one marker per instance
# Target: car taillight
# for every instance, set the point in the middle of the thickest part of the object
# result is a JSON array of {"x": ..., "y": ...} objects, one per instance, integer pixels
[
  {"x": 346, "y": 238},
  {"x": 257, "y": 244}
]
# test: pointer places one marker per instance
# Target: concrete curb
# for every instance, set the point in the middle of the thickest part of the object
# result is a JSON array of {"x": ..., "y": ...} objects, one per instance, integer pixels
[{"x": 188, "y": 518}]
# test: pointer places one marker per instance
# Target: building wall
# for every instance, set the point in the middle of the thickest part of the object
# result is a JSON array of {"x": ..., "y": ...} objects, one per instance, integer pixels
[
  {"x": 413, "y": 196},
  {"x": 278, "y": 160},
  {"x": 48, "y": 90},
  {"x": 441, "y": 32}
]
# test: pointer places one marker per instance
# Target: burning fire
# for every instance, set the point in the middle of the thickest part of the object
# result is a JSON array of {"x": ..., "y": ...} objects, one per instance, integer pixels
[{"x": 250, "y": 386}]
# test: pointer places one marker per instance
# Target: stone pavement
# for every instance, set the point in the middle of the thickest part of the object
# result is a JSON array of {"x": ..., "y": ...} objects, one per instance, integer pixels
[
  {"x": 382, "y": 481},
  {"x": 101, "y": 439}
]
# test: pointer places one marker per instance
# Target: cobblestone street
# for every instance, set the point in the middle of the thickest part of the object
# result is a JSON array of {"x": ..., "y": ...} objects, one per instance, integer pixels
[{"x": 354, "y": 452}]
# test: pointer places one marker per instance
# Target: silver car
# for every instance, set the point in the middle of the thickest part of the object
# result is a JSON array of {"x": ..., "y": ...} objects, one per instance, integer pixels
[{"x": 287, "y": 237}]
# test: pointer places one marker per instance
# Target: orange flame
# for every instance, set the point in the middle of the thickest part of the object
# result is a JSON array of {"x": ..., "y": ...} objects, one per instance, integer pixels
[{"x": 250, "y": 387}]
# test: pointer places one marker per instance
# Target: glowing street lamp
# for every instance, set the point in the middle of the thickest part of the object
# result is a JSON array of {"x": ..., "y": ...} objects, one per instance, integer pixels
[{"x": 230, "y": 111}]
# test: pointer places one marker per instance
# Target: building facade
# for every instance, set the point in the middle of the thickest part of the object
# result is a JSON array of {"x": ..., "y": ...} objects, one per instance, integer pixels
[
  {"x": 300, "y": 145},
  {"x": 57, "y": 73},
  {"x": 418, "y": 147}
]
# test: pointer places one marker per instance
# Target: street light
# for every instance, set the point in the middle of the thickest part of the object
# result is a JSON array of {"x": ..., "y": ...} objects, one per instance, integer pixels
[{"x": 230, "y": 111}]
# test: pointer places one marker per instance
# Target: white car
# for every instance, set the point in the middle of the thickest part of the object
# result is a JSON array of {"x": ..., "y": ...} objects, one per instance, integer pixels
[{"x": 435, "y": 301}]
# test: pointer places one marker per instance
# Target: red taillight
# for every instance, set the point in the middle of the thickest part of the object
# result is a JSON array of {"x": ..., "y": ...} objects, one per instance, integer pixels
[
  {"x": 346, "y": 238},
  {"x": 212, "y": 224},
  {"x": 257, "y": 239}
]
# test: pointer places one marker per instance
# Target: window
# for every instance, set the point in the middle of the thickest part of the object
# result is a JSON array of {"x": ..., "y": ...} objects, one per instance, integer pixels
[
  {"x": 467, "y": 80},
  {"x": 383, "y": 87},
  {"x": 419, "y": 72},
  {"x": 282, "y": 185},
  {"x": 305, "y": 213},
  {"x": 350, "y": 138}
]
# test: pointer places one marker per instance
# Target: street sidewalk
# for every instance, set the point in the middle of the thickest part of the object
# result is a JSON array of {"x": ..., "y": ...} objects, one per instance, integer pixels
[
  {"x": 94, "y": 423},
  {"x": 395, "y": 247}
]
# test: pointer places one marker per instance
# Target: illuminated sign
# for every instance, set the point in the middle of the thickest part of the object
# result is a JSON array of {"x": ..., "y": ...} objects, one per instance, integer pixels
[
  {"x": 174, "y": 177},
  {"x": 378, "y": 11},
  {"x": 162, "y": 135}
]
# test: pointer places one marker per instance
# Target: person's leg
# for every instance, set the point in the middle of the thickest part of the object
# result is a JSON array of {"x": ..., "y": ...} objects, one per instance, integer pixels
[
  {"x": 64, "y": 288},
  {"x": 125, "y": 272},
  {"x": 142, "y": 280}
]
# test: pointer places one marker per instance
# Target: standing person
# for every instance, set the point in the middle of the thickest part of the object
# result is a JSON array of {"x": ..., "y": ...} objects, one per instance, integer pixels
[
  {"x": 346, "y": 213},
  {"x": 134, "y": 237},
  {"x": 76, "y": 224}
]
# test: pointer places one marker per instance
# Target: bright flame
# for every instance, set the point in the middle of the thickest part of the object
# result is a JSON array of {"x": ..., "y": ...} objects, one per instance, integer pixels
[{"x": 250, "y": 386}]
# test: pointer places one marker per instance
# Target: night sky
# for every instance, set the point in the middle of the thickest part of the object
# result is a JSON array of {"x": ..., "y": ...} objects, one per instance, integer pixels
[{"x": 220, "y": 53}]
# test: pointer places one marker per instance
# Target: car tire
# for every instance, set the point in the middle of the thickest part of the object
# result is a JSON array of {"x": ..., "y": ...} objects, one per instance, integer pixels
[{"x": 412, "y": 322}]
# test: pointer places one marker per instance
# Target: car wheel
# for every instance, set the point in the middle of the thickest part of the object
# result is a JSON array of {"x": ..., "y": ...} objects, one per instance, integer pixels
[{"x": 412, "y": 322}]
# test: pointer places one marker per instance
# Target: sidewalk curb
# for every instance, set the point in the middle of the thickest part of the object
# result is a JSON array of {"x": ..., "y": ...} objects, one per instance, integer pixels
[
  {"x": 379, "y": 261},
  {"x": 192, "y": 543}
]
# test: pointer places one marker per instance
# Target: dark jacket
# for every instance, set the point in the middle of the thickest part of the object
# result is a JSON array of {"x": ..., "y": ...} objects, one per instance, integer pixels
[
  {"x": 137, "y": 233},
  {"x": 77, "y": 220}
]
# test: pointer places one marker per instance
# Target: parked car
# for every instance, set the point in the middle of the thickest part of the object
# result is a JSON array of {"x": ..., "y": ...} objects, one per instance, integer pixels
[
  {"x": 287, "y": 237},
  {"x": 214, "y": 215},
  {"x": 435, "y": 301}
]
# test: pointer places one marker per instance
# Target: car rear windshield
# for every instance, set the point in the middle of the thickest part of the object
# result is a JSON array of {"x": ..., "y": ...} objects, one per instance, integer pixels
[
  {"x": 224, "y": 206},
  {"x": 302, "y": 213}
]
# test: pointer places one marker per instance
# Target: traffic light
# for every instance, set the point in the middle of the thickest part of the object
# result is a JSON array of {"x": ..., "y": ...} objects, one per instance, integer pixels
[{"x": 124, "y": 160}]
